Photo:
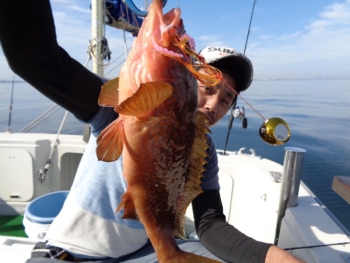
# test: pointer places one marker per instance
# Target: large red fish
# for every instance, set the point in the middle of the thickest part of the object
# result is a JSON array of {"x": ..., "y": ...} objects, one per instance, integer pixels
[{"x": 159, "y": 131}]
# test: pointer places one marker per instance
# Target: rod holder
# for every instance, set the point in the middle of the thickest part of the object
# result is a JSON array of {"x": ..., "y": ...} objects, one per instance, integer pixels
[{"x": 291, "y": 177}]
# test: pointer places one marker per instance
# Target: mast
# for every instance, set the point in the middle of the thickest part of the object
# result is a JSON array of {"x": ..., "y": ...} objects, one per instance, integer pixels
[{"x": 97, "y": 26}]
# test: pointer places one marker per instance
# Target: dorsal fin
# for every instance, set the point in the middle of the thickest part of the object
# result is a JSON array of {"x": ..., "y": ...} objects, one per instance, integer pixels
[
  {"x": 196, "y": 168},
  {"x": 146, "y": 98}
]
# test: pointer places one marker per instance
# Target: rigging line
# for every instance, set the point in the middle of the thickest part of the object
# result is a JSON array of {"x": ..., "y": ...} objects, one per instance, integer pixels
[
  {"x": 42, "y": 117},
  {"x": 63, "y": 120},
  {"x": 43, "y": 170},
  {"x": 323, "y": 245},
  {"x": 10, "y": 107},
  {"x": 114, "y": 68},
  {"x": 125, "y": 45},
  {"x": 109, "y": 64},
  {"x": 58, "y": 133},
  {"x": 54, "y": 108}
]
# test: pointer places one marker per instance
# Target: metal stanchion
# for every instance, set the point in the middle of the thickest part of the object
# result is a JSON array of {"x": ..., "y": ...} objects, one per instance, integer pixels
[{"x": 291, "y": 177}]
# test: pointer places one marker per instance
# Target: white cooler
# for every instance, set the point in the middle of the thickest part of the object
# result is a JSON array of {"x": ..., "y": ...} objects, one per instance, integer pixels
[{"x": 40, "y": 213}]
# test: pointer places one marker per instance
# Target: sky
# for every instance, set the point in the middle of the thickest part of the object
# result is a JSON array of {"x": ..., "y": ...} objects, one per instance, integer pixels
[{"x": 299, "y": 39}]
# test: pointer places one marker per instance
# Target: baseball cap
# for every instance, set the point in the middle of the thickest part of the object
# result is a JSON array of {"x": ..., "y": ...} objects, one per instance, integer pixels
[{"x": 234, "y": 63}]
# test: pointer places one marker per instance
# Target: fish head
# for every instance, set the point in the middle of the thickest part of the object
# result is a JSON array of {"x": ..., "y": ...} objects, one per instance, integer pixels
[{"x": 159, "y": 53}]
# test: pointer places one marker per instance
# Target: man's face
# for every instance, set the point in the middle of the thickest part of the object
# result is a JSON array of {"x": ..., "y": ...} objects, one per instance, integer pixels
[{"x": 216, "y": 101}]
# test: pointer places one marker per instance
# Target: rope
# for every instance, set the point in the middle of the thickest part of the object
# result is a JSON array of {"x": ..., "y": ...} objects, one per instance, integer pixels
[
  {"x": 125, "y": 46},
  {"x": 41, "y": 118},
  {"x": 43, "y": 170},
  {"x": 106, "y": 52},
  {"x": 10, "y": 108},
  {"x": 117, "y": 64}
]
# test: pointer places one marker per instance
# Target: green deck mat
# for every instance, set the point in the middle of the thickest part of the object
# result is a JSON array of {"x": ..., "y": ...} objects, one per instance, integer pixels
[{"x": 12, "y": 226}]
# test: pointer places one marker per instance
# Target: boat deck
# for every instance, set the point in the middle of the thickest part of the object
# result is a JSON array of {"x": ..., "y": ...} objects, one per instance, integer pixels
[{"x": 12, "y": 226}]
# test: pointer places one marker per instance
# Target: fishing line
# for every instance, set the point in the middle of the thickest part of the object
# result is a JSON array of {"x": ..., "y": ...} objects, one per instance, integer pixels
[
  {"x": 314, "y": 246},
  {"x": 243, "y": 99}
]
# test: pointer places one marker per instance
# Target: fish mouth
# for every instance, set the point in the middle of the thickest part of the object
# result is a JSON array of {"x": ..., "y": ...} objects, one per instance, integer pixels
[{"x": 169, "y": 24}]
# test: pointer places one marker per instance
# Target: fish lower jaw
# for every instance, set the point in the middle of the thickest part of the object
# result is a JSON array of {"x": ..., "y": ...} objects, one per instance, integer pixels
[{"x": 165, "y": 51}]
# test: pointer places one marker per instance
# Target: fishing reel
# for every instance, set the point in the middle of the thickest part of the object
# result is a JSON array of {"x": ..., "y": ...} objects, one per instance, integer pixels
[
  {"x": 274, "y": 131},
  {"x": 239, "y": 112}
]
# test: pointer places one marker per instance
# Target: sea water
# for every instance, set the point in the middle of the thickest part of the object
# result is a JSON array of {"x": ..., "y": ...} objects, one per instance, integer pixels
[{"x": 317, "y": 111}]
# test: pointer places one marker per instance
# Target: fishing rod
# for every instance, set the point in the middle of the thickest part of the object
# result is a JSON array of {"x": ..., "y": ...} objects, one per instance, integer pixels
[
  {"x": 250, "y": 23},
  {"x": 8, "y": 129},
  {"x": 238, "y": 112},
  {"x": 321, "y": 245}
]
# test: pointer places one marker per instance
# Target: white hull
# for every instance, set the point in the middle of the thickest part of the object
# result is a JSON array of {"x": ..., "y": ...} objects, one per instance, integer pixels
[{"x": 249, "y": 194}]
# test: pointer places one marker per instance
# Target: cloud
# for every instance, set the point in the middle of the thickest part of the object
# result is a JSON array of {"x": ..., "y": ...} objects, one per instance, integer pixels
[
  {"x": 265, "y": 36},
  {"x": 286, "y": 37},
  {"x": 338, "y": 13},
  {"x": 332, "y": 17},
  {"x": 209, "y": 40},
  {"x": 320, "y": 50},
  {"x": 82, "y": 10}
]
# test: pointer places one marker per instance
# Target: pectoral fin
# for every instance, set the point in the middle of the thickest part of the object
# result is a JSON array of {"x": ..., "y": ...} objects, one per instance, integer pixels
[
  {"x": 146, "y": 98},
  {"x": 109, "y": 95},
  {"x": 110, "y": 142}
]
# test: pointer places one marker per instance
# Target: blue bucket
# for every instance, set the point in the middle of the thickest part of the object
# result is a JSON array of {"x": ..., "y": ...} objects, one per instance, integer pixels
[{"x": 45, "y": 208}]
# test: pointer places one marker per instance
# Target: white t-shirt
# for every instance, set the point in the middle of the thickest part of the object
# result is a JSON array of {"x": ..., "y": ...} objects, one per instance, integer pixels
[{"x": 88, "y": 225}]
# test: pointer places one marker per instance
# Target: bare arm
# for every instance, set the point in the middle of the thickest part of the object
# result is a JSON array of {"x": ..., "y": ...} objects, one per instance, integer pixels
[
  {"x": 277, "y": 255},
  {"x": 227, "y": 242}
]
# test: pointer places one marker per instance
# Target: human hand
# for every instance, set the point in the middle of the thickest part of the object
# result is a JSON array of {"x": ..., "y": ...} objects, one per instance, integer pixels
[{"x": 278, "y": 255}]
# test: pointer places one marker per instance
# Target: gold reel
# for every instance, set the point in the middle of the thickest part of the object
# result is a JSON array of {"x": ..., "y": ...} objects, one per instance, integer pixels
[{"x": 274, "y": 131}]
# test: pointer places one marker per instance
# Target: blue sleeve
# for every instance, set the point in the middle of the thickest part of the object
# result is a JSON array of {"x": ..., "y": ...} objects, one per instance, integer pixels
[
  {"x": 103, "y": 117},
  {"x": 210, "y": 179}
]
